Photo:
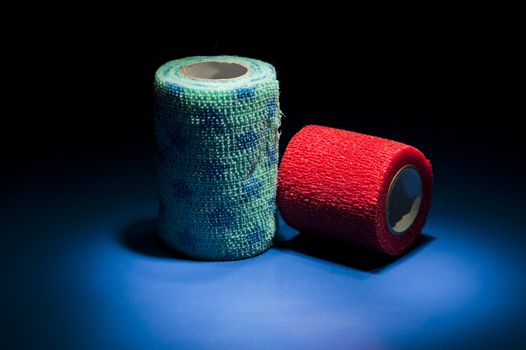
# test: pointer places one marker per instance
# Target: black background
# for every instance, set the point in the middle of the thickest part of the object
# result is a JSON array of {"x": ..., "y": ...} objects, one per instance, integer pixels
[{"x": 450, "y": 93}]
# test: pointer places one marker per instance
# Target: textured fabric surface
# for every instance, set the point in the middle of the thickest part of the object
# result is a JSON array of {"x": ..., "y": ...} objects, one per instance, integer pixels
[
  {"x": 335, "y": 182},
  {"x": 217, "y": 155}
]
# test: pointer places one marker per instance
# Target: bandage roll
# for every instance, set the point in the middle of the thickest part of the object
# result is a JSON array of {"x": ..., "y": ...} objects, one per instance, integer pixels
[
  {"x": 363, "y": 189},
  {"x": 216, "y": 123}
]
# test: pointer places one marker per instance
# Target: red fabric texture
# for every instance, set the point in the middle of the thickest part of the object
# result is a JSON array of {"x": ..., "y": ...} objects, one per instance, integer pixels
[{"x": 334, "y": 182}]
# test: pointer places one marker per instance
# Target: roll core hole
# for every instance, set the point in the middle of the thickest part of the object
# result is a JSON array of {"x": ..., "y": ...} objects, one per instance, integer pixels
[
  {"x": 215, "y": 70},
  {"x": 403, "y": 200}
]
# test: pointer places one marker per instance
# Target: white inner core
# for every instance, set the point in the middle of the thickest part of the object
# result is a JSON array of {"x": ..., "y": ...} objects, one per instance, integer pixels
[
  {"x": 403, "y": 200},
  {"x": 215, "y": 70}
]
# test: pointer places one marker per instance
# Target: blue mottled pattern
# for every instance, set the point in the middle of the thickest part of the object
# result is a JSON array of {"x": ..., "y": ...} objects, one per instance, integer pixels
[
  {"x": 255, "y": 236},
  {"x": 273, "y": 155},
  {"x": 247, "y": 140},
  {"x": 175, "y": 89},
  {"x": 221, "y": 217},
  {"x": 252, "y": 188},
  {"x": 245, "y": 93},
  {"x": 272, "y": 205},
  {"x": 213, "y": 169},
  {"x": 211, "y": 118},
  {"x": 272, "y": 108}
]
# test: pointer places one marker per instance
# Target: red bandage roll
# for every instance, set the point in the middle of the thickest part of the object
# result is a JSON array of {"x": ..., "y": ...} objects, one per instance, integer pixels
[{"x": 364, "y": 189}]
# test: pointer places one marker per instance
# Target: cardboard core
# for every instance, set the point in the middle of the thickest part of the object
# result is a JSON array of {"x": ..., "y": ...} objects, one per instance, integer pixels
[
  {"x": 215, "y": 70},
  {"x": 403, "y": 200}
]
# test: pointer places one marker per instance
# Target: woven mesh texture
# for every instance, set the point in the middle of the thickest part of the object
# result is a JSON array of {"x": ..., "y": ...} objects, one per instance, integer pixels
[
  {"x": 217, "y": 156},
  {"x": 335, "y": 182}
]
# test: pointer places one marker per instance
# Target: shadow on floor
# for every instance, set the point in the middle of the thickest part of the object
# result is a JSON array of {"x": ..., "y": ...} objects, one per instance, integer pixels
[
  {"x": 142, "y": 238},
  {"x": 345, "y": 253}
]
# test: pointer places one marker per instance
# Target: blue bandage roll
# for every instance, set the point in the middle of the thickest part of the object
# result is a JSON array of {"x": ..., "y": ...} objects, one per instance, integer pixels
[{"x": 216, "y": 124}]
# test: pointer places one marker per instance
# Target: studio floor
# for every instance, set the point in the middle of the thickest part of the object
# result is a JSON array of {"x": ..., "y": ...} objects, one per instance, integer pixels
[{"x": 85, "y": 271}]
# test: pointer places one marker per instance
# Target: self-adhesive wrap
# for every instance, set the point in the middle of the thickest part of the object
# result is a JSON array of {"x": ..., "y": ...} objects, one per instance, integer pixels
[
  {"x": 217, "y": 154},
  {"x": 337, "y": 183}
]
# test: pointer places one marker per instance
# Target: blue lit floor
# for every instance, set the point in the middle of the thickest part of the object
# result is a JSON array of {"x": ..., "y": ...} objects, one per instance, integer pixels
[{"x": 86, "y": 272}]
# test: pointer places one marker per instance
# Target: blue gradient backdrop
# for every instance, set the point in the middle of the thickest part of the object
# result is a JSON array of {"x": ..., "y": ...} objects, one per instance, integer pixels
[{"x": 85, "y": 271}]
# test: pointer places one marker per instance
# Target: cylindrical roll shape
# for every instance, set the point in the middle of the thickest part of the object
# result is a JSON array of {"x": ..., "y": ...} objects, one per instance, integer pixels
[
  {"x": 216, "y": 122},
  {"x": 364, "y": 189}
]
